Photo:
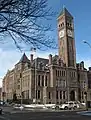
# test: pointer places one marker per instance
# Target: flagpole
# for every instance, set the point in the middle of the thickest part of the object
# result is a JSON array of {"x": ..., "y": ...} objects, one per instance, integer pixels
[{"x": 34, "y": 52}]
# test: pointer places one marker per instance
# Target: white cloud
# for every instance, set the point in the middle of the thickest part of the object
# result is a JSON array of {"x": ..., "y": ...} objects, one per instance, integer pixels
[
  {"x": 87, "y": 63},
  {"x": 7, "y": 61}
]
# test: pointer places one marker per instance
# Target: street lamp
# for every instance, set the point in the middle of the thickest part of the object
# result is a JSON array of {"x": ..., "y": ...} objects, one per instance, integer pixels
[
  {"x": 85, "y": 94},
  {"x": 84, "y": 41}
]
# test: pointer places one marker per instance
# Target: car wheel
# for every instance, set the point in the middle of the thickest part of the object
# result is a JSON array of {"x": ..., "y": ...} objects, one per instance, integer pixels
[{"x": 66, "y": 108}]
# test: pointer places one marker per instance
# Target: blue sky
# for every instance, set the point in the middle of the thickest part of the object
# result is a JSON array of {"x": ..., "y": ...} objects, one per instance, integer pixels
[{"x": 81, "y": 11}]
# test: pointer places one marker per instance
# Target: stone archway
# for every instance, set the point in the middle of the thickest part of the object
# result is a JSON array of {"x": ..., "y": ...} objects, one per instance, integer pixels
[{"x": 72, "y": 95}]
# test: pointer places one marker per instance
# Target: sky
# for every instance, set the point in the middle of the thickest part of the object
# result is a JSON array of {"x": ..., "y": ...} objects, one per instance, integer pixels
[{"x": 80, "y": 10}]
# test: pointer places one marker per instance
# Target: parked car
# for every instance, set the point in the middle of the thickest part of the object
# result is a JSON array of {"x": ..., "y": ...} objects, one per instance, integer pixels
[
  {"x": 18, "y": 106},
  {"x": 69, "y": 105}
]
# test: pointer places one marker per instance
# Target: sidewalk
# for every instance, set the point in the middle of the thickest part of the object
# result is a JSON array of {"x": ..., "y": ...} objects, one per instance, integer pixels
[{"x": 10, "y": 110}]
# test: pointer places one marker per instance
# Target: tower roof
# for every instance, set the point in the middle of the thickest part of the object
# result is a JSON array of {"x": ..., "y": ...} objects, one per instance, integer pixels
[
  {"x": 24, "y": 59},
  {"x": 65, "y": 12}
]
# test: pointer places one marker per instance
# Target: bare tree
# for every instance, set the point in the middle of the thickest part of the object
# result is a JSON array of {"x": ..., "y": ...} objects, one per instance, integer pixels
[{"x": 25, "y": 21}]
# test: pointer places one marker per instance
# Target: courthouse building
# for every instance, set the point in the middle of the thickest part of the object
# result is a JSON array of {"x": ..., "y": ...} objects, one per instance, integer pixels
[{"x": 54, "y": 80}]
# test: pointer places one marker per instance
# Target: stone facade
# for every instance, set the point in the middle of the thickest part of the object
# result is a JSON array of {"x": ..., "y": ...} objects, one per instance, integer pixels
[
  {"x": 54, "y": 80},
  {"x": 89, "y": 84},
  {"x": 52, "y": 83}
]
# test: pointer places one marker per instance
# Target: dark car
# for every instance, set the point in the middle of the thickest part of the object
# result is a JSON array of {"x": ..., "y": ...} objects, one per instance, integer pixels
[{"x": 0, "y": 110}]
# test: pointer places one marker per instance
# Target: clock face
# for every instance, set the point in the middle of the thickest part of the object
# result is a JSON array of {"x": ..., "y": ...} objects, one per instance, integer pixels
[
  {"x": 69, "y": 32},
  {"x": 61, "y": 33}
]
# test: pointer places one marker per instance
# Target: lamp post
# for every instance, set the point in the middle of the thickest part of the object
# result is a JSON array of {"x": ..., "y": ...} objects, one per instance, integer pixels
[
  {"x": 84, "y": 41},
  {"x": 57, "y": 81},
  {"x": 85, "y": 94}
]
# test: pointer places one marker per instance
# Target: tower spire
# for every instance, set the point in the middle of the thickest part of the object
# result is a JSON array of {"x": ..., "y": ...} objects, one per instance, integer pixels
[
  {"x": 65, "y": 12},
  {"x": 63, "y": 6}
]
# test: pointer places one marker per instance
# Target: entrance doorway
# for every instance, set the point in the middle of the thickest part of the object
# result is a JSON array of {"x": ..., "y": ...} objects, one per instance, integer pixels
[{"x": 72, "y": 95}]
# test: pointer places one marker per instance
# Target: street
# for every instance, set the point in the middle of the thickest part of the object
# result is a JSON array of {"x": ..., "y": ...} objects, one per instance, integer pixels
[{"x": 32, "y": 115}]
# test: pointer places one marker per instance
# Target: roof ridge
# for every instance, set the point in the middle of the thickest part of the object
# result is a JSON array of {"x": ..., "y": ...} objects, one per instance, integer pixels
[{"x": 66, "y": 12}]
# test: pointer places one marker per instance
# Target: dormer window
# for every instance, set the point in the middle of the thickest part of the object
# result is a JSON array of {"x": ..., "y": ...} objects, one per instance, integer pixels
[{"x": 63, "y": 24}]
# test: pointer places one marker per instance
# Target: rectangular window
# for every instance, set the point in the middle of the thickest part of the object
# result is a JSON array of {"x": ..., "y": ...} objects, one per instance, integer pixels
[
  {"x": 38, "y": 94},
  {"x": 20, "y": 75},
  {"x": 56, "y": 94},
  {"x": 60, "y": 94},
  {"x": 63, "y": 94},
  {"x": 38, "y": 77},
  {"x": 49, "y": 95},
  {"x": 43, "y": 80},
  {"x": 64, "y": 73},
  {"x": 74, "y": 74},
  {"x": 46, "y": 81},
  {"x": 56, "y": 72},
  {"x": 60, "y": 73},
  {"x": 38, "y": 82}
]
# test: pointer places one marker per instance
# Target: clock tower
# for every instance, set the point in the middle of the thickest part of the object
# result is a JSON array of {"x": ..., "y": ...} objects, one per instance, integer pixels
[{"x": 66, "y": 40}]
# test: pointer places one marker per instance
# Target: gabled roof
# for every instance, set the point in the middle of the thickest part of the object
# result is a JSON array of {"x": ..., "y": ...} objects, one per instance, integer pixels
[
  {"x": 24, "y": 59},
  {"x": 38, "y": 61},
  {"x": 65, "y": 12}
]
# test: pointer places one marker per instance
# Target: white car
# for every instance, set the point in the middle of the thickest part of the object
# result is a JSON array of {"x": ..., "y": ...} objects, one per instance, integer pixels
[
  {"x": 18, "y": 106},
  {"x": 69, "y": 105}
]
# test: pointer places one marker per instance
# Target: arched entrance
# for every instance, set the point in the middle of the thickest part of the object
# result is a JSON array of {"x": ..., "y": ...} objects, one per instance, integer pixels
[{"x": 72, "y": 95}]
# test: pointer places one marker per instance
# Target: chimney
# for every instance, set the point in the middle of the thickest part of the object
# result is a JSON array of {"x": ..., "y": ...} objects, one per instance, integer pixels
[
  {"x": 82, "y": 64},
  {"x": 89, "y": 68},
  {"x": 50, "y": 59},
  {"x": 31, "y": 58}
]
